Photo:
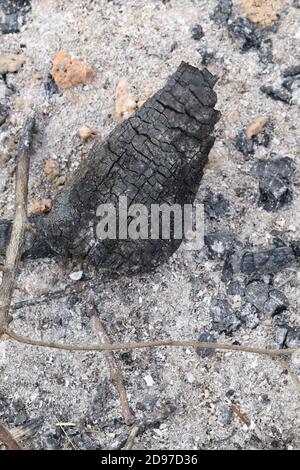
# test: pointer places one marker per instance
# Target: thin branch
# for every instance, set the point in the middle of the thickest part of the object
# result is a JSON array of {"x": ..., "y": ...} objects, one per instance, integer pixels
[
  {"x": 8, "y": 440},
  {"x": 131, "y": 438},
  {"x": 115, "y": 373},
  {"x": 14, "y": 248},
  {"x": 150, "y": 344}
]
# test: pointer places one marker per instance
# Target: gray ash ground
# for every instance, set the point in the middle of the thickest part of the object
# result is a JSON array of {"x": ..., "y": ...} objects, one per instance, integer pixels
[{"x": 243, "y": 287}]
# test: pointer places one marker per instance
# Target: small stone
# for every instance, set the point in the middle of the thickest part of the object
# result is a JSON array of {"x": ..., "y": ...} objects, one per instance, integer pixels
[
  {"x": 197, "y": 32},
  {"x": 4, "y": 113},
  {"x": 222, "y": 11},
  {"x": 10, "y": 63},
  {"x": 275, "y": 94},
  {"x": 68, "y": 72},
  {"x": 86, "y": 132},
  {"x": 149, "y": 380},
  {"x": 125, "y": 104},
  {"x": 76, "y": 275},
  {"x": 51, "y": 170},
  {"x": 249, "y": 315},
  {"x": 257, "y": 126},
  {"x": 41, "y": 206},
  {"x": 206, "y": 337},
  {"x": 224, "y": 318},
  {"x": 190, "y": 378},
  {"x": 243, "y": 144}
]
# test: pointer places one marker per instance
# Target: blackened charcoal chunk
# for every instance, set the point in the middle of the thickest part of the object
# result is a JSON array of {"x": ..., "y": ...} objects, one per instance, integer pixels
[
  {"x": 206, "y": 337},
  {"x": 219, "y": 243},
  {"x": 287, "y": 337},
  {"x": 275, "y": 194},
  {"x": 249, "y": 315},
  {"x": 292, "y": 83},
  {"x": 284, "y": 167},
  {"x": 277, "y": 95},
  {"x": 257, "y": 294},
  {"x": 296, "y": 248},
  {"x": 216, "y": 206},
  {"x": 265, "y": 51},
  {"x": 267, "y": 261},
  {"x": 236, "y": 288},
  {"x": 243, "y": 144},
  {"x": 50, "y": 87},
  {"x": 249, "y": 35},
  {"x": 292, "y": 71},
  {"x": 275, "y": 177},
  {"x": 276, "y": 303},
  {"x": 222, "y": 11},
  {"x": 4, "y": 112},
  {"x": 13, "y": 12},
  {"x": 224, "y": 317},
  {"x": 197, "y": 32}
]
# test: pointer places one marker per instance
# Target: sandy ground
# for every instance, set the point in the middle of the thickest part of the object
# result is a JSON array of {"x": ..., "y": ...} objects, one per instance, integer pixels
[{"x": 186, "y": 398}]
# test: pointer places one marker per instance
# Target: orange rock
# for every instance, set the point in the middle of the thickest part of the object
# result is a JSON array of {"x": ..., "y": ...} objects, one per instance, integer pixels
[
  {"x": 256, "y": 127},
  {"x": 68, "y": 72},
  {"x": 10, "y": 63},
  {"x": 125, "y": 104},
  {"x": 51, "y": 170},
  {"x": 263, "y": 12},
  {"x": 41, "y": 206},
  {"x": 86, "y": 132}
]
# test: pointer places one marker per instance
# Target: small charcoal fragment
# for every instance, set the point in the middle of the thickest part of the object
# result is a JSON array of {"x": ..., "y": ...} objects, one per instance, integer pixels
[
  {"x": 265, "y": 261},
  {"x": 207, "y": 56},
  {"x": 275, "y": 194},
  {"x": 287, "y": 337},
  {"x": 275, "y": 177},
  {"x": 222, "y": 11},
  {"x": 215, "y": 206},
  {"x": 276, "y": 303},
  {"x": 206, "y": 337},
  {"x": 265, "y": 51},
  {"x": 13, "y": 15},
  {"x": 227, "y": 271},
  {"x": 249, "y": 35},
  {"x": 262, "y": 139},
  {"x": 50, "y": 87},
  {"x": 296, "y": 248},
  {"x": 249, "y": 315},
  {"x": 224, "y": 317},
  {"x": 236, "y": 288},
  {"x": 219, "y": 243},
  {"x": 4, "y": 112},
  {"x": 243, "y": 144},
  {"x": 292, "y": 71},
  {"x": 292, "y": 83},
  {"x": 257, "y": 294},
  {"x": 277, "y": 95},
  {"x": 197, "y": 32}
]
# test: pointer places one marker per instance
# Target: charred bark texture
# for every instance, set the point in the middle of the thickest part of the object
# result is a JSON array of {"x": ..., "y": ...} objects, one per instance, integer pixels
[{"x": 157, "y": 156}]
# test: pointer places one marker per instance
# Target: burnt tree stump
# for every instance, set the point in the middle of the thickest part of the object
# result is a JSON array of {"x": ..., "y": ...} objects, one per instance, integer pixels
[{"x": 156, "y": 156}]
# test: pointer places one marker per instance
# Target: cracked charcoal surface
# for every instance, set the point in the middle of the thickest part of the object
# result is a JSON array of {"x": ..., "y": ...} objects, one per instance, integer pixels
[
  {"x": 275, "y": 178},
  {"x": 224, "y": 317},
  {"x": 156, "y": 156},
  {"x": 266, "y": 299}
]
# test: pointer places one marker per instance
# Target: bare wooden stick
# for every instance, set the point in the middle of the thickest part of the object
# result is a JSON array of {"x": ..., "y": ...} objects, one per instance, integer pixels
[
  {"x": 115, "y": 373},
  {"x": 150, "y": 344},
  {"x": 8, "y": 440},
  {"x": 131, "y": 438},
  {"x": 14, "y": 249}
]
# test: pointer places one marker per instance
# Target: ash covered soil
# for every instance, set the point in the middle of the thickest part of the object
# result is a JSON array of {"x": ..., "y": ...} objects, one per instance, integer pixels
[{"x": 226, "y": 293}]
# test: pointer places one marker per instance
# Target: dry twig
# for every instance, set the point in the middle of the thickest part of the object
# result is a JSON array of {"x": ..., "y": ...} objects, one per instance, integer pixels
[
  {"x": 14, "y": 249},
  {"x": 131, "y": 438},
  {"x": 115, "y": 373},
  {"x": 8, "y": 440}
]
